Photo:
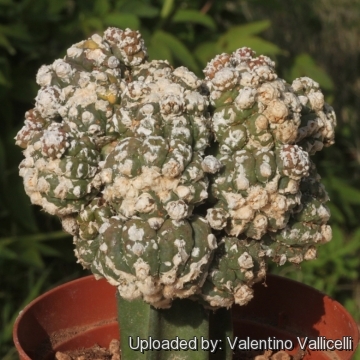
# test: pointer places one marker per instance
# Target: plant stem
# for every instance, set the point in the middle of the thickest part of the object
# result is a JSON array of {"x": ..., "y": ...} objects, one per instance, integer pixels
[
  {"x": 185, "y": 320},
  {"x": 221, "y": 328}
]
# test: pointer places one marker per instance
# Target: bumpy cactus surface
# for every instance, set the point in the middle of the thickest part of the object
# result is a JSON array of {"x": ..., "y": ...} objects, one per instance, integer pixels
[{"x": 173, "y": 186}]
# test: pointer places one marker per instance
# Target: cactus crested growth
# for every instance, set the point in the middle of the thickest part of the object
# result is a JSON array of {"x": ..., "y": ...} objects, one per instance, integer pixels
[{"x": 173, "y": 186}]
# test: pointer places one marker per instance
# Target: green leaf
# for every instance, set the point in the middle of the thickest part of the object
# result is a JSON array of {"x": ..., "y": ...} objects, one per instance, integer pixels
[
  {"x": 12, "y": 353},
  {"x": 30, "y": 248},
  {"x": 167, "y": 8},
  {"x": 346, "y": 192},
  {"x": 32, "y": 257},
  {"x": 13, "y": 195},
  {"x": 8, "y": 254},
  {"x": 146, "y": 11},
  {"x": 260, "y": 46},
  {"x": 194, "y": 16},
  {"x": 15, "y": 31},
  {"x": 91, "y": 24},
  {"x": 159, "y": 52},
  {"x": 4, "y": 242},
  {"x": 24, "y": 87},
  {"x": 54, "y": 235},
  {"x": 177, "y": 49},
  {"x": 336, "y": 214},
  {"x": 337, "y": 236},
  {"x": 101, "y": 7},
  {"x": 305, "y": 65},
  {"x": 122, "y": 20},
  {"x": 353, "y": 243},
  {"x": 3, "y": 80},
  {"x": 46, "y": 250},
  {"x": 206, "y": 51},
  {"x": 18, "y": 203},
  {"x": 249, "y": 29},
  {"x": 140, "y": 9},
  {"x": 2, "y": 168},
  {"x": 55, "y": 7},
  {"x": 244, "y": 35},
  {"x": 33, "y": 293},
  {"x": 4, "y": 42}
]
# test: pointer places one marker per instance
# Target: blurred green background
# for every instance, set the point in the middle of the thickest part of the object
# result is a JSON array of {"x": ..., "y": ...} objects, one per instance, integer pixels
[{"x": 319, "y": 39}]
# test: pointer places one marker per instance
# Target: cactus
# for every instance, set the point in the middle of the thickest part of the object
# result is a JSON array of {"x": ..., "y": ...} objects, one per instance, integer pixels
[{"x": 172, "y": 186}]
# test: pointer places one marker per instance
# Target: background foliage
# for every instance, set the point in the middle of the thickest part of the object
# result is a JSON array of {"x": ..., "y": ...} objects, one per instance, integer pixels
[{"x": 315, "y": 38}]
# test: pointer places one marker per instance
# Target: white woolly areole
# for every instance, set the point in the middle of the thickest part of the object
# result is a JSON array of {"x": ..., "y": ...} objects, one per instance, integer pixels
[
  {"x": 53, "y": 138},
  {"x": 310, "y": 254},
  {"x": 257, "y": 197},
  {"x": 43, "y": 76},
  {"x": 326, "y": 233},
  {"x": 261, "y": 123},
  {"x": 96, "y": 55},
  {"x": 241, "y": 180},
  {"x": 211, "y": 165},
  {"x": 82, "y": 97},
  {"x": 234, "y": 200},
  {"x": 48, "y": 101},
  {"x": 267, "y": 92},
  {"x": 145, "y": 203},
  {"x": 216, "y": 219},
  {"x": 212, "y": 242},
  {"x": 187, "y": 76},
  {"x": 246, "y": 98},
  {"x": 245, "y": 261},
  {"x": 177, "y": 210},
  {"x": 243, "y": 213},
  {"x": 296, "y": 161},
  {"x": 243, "y": 295},
  {"x": 74, "y": 52},
  {"x": 276, "y": 111},
  {"x": 304, "y": 83},
  {"x": 62, "y": 69},
  {"x": 135, "y": 234},
  {"x": 224, "y": 79},
  {"x": 70, "y": 225},
  {"x": 195, "y": 102},
  {"x": 183, "y": 192},
  {"x": 316, "y": 99},
  {"x": 155, "y": 222}
]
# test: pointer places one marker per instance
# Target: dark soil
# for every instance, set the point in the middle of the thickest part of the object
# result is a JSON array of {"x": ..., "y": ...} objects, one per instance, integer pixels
[
  {"x": 113, "y": 353},
  {"x": 63, "y": 335},
  {"x": 94, "y": 353},
  {"x": 267, "y": 355}
]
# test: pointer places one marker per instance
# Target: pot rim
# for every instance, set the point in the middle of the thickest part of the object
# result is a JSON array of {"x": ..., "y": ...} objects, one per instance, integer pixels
[{"x": 38, "y": 299}]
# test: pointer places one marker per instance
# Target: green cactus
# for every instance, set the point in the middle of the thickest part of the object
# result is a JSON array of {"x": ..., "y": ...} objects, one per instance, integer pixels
[
  {"x": 267, "y": 189},
  {"x": 172, "y": 186}
]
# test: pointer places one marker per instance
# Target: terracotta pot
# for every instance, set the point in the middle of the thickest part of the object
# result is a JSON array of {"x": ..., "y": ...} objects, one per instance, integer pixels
[{"x": 83, "y": 312}]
